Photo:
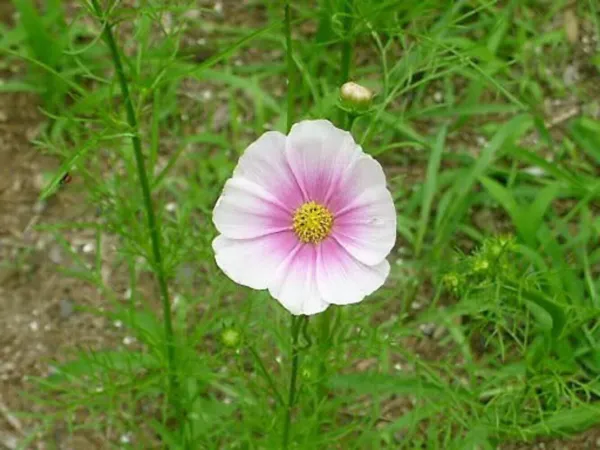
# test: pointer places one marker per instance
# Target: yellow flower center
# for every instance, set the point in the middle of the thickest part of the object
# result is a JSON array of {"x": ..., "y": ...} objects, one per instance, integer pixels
[{"x": 312, "y": 222}]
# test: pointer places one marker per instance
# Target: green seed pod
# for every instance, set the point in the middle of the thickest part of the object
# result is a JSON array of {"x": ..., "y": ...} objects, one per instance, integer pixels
[{"x": 230, "y": 337}]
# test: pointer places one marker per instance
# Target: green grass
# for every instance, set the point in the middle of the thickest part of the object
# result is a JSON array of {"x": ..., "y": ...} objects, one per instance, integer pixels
[{"x": 515, "y": 353}]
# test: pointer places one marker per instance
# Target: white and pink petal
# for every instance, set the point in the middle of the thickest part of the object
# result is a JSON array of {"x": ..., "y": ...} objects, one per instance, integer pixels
[
  {"x": 295, "y": 284},
  {"x": 254, "y": 262},
  {"x": 264, "y": 163},
  {"x": 364, "y": 175},
  {"x": 367, "y": 228},
  {"x": 246, "y": 210},
  {"x": 319, "y": 154},
  {"x": 342, "y": 279}
]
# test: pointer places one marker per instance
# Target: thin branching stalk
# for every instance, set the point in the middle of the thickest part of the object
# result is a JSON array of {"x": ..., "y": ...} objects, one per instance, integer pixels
[
  {"x": 290, "y": 66},
  {"x": 346, "y": 56},
  {"x": 267, "y": 376},
  {"x": 347, "y": 46},
  {"x": 155, "y": 233},
  {"x": 297, "y": 323}
]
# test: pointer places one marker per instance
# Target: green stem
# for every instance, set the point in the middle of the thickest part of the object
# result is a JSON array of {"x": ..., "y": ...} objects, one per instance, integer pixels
[
  {"x": 324, "y": 321},
  {"x": 290, "y": 66},
  {"x": 155, "y": 235},
  {"x": 348, "y": 44},
  {"x": 351, "y": 119},
  {"x": 266, "y": 375},
  {"x": 347, "y": 47},
  {"x": 295, "y": 331}
]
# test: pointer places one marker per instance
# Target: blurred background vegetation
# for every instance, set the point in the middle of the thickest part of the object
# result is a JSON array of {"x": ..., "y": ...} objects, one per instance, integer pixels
[{"x": 487, "y": 123}]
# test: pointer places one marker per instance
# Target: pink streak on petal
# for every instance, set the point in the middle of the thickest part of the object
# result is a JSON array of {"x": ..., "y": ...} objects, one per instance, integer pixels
[
  {"x": 365, "y": 174},
  {"x": 295, "y": 284},
  {"x": 367, "y": 227},
  {"x": 318, "y": 155},
  {"x": 265, "y": 164},
  {"x": 245, "y": 210}
]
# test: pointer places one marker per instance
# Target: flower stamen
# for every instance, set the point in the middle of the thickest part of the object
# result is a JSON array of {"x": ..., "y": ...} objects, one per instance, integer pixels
[{"x": 312, "y": 222}]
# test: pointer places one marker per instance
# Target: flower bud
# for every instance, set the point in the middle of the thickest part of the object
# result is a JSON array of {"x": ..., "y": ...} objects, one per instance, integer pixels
[
  {"x": 307, "y": 374},
  {"x": 453, "y": 282},
  {"x": 481, "y": 264},
  {"x": 355, "y": 97},
  {"x": 230, "y": 337}
]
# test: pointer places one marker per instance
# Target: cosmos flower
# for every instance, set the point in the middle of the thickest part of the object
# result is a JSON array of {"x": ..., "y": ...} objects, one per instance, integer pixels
[{"x": 308, "y": 217}]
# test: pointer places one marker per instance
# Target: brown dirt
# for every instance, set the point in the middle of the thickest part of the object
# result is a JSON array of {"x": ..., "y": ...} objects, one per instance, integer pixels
[{"x": 38, "y": 306}]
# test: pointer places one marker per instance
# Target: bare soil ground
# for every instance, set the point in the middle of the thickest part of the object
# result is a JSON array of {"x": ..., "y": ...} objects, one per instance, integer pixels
[{"x": 39, "y": 315}]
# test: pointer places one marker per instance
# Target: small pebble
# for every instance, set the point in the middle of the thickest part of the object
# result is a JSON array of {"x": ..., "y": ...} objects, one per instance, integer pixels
[
  {"x": 128, "y": 340},
  {"x": 118, "y": 324},
  {"x": 176, "y": 301},
  {"x": 570, "y": 75},
  {"x": 427, "y": 328},
  {"x": 88, "y": 248},
  {"x": 39, "y": 207},
  {"x": 534, "y": 171},
  {"x": 481, "y": 141},
  {"x": 34, "y": 326},
  {"x": 55, "y": 254}
]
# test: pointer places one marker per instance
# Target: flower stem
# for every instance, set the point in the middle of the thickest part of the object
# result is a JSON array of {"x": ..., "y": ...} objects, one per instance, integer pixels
[
  {"x": 155, "y": 234},
  {"x": 290, "y": 66},
  {"x": 266, "y": 375},
  {"x": 346, "y": 57},
  {"x": 324, "y": 322},
  {"x": 351, "y": 119},
  {"x": 297, "y": 323},
  {"x": 347, "y": 45}
]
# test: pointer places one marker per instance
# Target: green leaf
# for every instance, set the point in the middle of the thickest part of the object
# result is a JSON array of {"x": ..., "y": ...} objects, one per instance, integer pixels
[
  {"x": 542, "y": 317},
  {"x": 566, "y": 421},
  {"x": 586, "y": 133},
  {"x": 430, "y": 187},
  {"x": 555, "y": 311},
  {"x": 458, "y": 201},
  {"x": 379, "y": 383}
]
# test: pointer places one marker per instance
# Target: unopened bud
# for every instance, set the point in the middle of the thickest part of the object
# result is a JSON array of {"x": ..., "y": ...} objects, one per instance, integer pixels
[
  {"x": 355, "y": 97},
  {"x": 230, "y": 337}
]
